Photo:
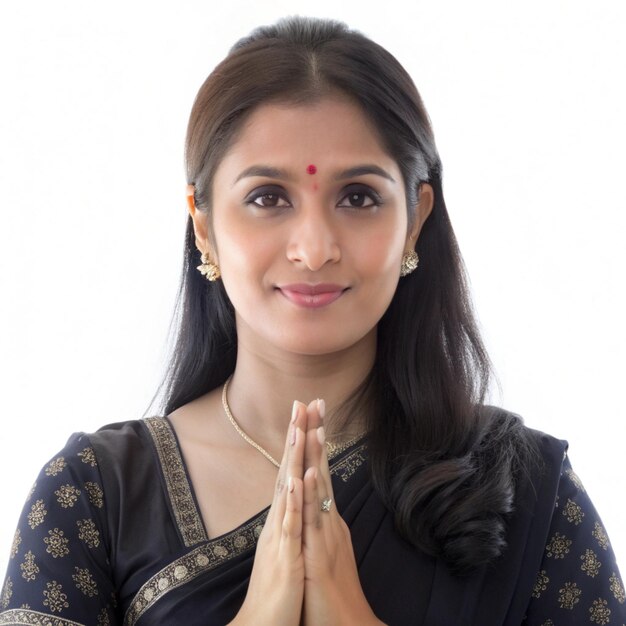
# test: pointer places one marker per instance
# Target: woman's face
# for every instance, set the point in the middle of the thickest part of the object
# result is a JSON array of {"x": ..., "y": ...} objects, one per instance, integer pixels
[{"x": 309, "y": 226}]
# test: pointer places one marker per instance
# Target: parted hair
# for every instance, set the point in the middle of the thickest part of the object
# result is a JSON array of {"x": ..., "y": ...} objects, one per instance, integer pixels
[{"x": 444, "y": 463}]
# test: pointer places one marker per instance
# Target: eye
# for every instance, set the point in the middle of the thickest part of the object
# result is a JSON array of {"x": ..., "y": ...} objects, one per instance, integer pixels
[
  {"x": 267, "y": 198},
  {"x": 358, "y": 196}
]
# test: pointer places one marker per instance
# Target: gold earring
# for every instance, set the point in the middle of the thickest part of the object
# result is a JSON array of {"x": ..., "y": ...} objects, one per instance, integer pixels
[
  {"x": 208, "y": 269},
  {"x": 410, "y": 261}
]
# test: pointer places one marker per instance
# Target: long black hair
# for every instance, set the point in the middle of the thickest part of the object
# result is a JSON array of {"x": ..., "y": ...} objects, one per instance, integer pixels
[{"x": 441, "y": 461}]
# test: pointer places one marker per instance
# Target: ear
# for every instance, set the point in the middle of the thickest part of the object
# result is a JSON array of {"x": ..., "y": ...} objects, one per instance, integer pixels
[
  {"x": 200, "y": 221},
  {"x": 422, "y": 210}
]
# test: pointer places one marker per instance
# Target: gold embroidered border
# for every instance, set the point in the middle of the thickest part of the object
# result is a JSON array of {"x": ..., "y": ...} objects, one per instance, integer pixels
[
  {"x": 186, "y": 568},
  {"x": 335, "y": 449},
  {"x": 26, "y": 617},
  {"x": 346, "y": 467},
  {"x": 215, "y": 552},
  {"x": 187, "y": 516}
]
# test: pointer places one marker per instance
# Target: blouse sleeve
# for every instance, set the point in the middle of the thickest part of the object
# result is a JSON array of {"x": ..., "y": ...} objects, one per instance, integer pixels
[
  {"x": 578, "y": 581},
  {"x": 58, "y": 570}
]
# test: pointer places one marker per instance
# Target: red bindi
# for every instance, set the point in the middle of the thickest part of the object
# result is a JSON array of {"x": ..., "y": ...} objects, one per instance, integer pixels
[{"x": 311, "y": 169}]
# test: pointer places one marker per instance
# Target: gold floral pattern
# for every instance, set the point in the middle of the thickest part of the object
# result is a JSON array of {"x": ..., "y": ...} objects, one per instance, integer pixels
[
  {"x": 600, "y": 536},
  {"x": 591, "y": 565},
  {"x": 599, "y": 612},
  {"x": 103, "y": 618},
  {"x": 548, "y": 622},
  {"x": 88, "y": 532},
  {"x": 84, "y": 582},
  {"x": 29, "y": 567},
  {"x": 7, "y": 592},
  {"x": 55, "y": 467},
  {"x": 36, "y": 515},
  {"x": 88, "y": 456},
  {"x": 15, "y": 546},
  {"x": 617, "y": 588},
  {"x": 569, "y": 595},
  {"x": 25, "y": 617},
  {"x": 541, "y": 584},
  {"x": 57, "y": 543},
  {"x": 179, "y": 491},
  {"x": 573, "y": 513},
  {"x": 94, "y": 492},
  {"x": 54, "y": 598},
  {"x": 67, "y": 496},
  {"x": 575, "y": 571},
  {"x": 559, "y": 546}
]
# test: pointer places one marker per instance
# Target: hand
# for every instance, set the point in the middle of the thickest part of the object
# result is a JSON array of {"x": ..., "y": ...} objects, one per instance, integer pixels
[
  {"x": 276, "y": 588},
  {"x": 332, "y": 590}
]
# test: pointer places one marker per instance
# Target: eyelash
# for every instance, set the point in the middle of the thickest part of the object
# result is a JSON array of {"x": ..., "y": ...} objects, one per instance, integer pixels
[{"x": 353, "y": 190}]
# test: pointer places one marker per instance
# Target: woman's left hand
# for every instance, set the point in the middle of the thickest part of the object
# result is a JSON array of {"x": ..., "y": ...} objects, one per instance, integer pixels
[{"x": 332, "y": 590}]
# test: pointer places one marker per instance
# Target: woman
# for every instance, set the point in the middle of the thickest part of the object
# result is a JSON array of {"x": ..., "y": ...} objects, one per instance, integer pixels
[{"x": 317, "y": 216}]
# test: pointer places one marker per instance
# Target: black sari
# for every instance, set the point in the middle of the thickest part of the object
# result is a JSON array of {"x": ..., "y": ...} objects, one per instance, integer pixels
[{"x": 112, "y": 534}]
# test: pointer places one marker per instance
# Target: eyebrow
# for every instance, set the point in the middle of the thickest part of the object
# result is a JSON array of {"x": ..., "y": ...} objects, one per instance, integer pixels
[{"x": 274, "y": 172}]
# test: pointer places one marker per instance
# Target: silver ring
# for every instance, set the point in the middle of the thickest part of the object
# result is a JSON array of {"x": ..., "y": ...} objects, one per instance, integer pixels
[{"x": 326, "y": 504}]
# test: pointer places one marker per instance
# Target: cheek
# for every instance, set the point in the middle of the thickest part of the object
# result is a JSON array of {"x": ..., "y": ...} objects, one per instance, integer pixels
[
  {"x": 244, "y": 251},
  {"x": 381, "y": 252}
]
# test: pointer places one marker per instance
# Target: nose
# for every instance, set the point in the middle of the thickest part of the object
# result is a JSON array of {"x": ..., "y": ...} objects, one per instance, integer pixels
[{"x": 313, "y": 240}]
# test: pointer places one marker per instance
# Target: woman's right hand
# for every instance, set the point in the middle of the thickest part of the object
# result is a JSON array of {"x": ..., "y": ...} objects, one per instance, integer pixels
[{"x": 276, "y": 590}]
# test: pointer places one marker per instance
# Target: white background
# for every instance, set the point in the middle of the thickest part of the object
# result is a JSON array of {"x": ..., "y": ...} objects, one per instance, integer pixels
[{"x": 527, "y": 102}]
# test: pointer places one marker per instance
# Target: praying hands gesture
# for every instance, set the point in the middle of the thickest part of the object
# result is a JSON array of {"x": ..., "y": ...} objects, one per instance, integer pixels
[{"x": 304, "y": 568}]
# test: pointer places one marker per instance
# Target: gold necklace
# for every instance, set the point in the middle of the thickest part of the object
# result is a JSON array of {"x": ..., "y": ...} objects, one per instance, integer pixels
[
  {"x": 331, "y": 447},
  {"x": 236, "y": 426}
]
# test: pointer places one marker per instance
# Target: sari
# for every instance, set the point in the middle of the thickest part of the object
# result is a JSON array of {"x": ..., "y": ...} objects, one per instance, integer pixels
[{"x": 111, "y": 534}]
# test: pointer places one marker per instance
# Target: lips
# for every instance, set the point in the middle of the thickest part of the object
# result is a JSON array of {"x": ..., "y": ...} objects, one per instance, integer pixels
[{"x": 312, "y": 296}]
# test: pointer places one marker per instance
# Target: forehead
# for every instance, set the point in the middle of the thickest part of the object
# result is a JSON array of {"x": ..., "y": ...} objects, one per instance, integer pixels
[{"x": 330, "y": 133}]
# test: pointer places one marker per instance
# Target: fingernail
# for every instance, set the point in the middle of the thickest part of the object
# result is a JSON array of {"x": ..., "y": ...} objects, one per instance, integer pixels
[
  {"x": 294, "y": 412},
  {"x": 292, "y": 441},
  {"x": 321, "y": 408},
  {"x": 291, "y": 484},
  {"x": 321, "y": 436}
]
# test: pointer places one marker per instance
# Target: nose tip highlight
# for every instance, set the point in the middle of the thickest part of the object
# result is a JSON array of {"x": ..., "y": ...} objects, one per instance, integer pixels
[
  {"x": 314, "y": 243},
  {"x": 315, "y": 257}
]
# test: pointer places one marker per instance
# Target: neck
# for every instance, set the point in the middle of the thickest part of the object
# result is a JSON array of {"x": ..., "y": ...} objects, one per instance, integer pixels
[{"x": 265, "y": 385}]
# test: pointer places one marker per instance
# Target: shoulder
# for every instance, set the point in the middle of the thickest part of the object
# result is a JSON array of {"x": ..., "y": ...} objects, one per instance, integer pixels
[
  {"x": 127, "y": 453},
  {"x": 120, "y": 456},
  {"x": 125, "y": 433},
  {"x": 529, "y": 462},
  {"x": 116, "y": 443},
  {"x": 503, "y": 432},
  {"x": 104, "y": 458},
  {"x": 121, "y": 441},
  {"x": 128, "y": 457},
  {"x": 509, "y": 426}
]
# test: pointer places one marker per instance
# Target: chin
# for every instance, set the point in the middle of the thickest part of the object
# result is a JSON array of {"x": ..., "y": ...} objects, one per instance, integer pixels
[{"x": 319, "y": 344}]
